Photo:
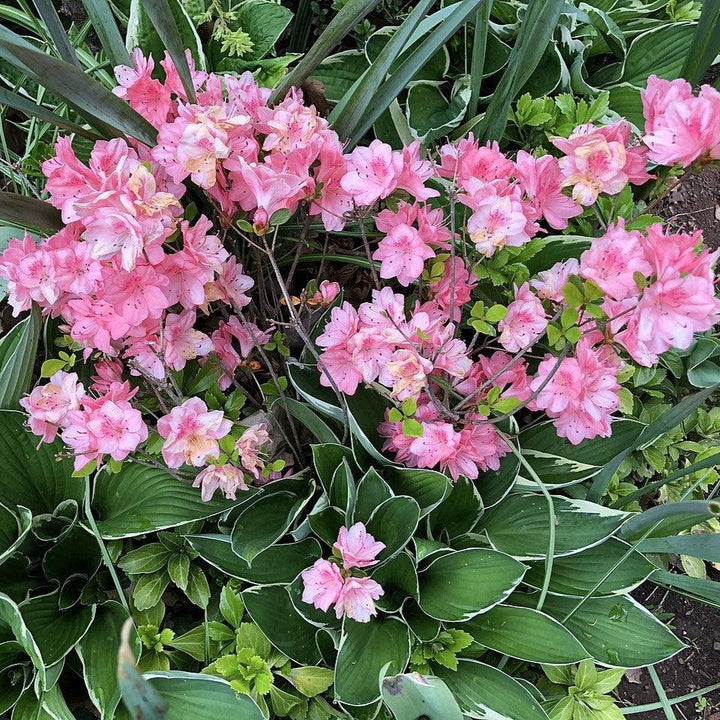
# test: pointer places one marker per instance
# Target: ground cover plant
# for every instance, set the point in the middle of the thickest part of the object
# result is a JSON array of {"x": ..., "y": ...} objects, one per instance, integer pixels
[{"x": 338, "y": 416}]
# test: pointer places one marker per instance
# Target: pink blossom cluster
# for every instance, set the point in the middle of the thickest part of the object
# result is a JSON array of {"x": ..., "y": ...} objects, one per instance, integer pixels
[{"x": 353, "y": 595}]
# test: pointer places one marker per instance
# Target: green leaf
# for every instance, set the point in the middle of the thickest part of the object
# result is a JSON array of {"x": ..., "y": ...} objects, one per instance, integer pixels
[
  {"x": 264, "y": 522},
  {"x": 616, "y": 631},
  {"x": 11, "y": 619},
  {"x": 145, "y": 559},
  {"x": 309, "y": 419},
  {"x": 661, "y": 51},
  {"x": 14, "y": 527},
  {"x": 579, "y": 573},
  {"x": 459, "y": 512},
  {"x": 484, "y": 691},
  {"x": 393, "y": 522},
  {"x": 272, "y": 611},
  {"x": 670, "y": 518},
  {"x": 149, "y": 589},
  {"x": 138, "y": 500},
  {"x": 372, "y": 490},
  {"x": 349, "y": 16},
  {"x": 32, "y": 476},
  {"x": 559, "y": 463},
  {"x": 705, "y": 546},
  {"x": 278, "y": 564},
  {"x": 705, "y": 44},
  {"x": 430, "y": 114},
  {"x": 98, "y": 654},
  {"x": 494, "y": 485},
  {"x": 526, "y": 634},
  {"x": 101, "y": 15},
  {"x": 198, "y": 590},
  {"x": 310, "y": 680},
  {"x": 18, "y": 362},
  {"x": 457, "y": 586},
  {"x": 179, "y": 569},
  {"x": 193, "y": 641},
  {"x": 520, "y": 525},
  {"x": 53, "y": 25},
  {"x": 398, "y": 578},
  {"x": 339, "y": 72},
  {"x": 56, "y": 632},
  {"x": 706, "y": 591},
  {"x": 369, "y": 651},
  {"x": 427, "y": 487},
  {"x": 78, "y": 88},
  {"x": 413, "y": 695},
  {"x": 232, "y": 607},
  {"x": 191, "y": 696}
]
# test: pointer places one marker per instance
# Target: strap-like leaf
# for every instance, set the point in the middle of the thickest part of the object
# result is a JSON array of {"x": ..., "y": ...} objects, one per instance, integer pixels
[
  {"x": 65, "y": 80},
  {"x": 399, "y": 79},
  {"x": 536, "y": 32},
  {"x": 352, "y": 13},
  {"x": 351, "y": 109},
  {"x": 705, "y": 44},
  {"x": 31, "y": 109},
  {"x": 162, "y": 18},
  {"x": 103, "y": 22},
  {"x": 29, "y": 212},
  {"x": 16, "y": 372},
  {"x": 50, "y": 18},
  {"x": 672, "y": 418},
  {"x": 480, "y": 33}
]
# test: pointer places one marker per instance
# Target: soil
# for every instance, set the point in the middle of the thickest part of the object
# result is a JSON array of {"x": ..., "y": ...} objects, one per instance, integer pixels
[{"x": 698, "y": 666}]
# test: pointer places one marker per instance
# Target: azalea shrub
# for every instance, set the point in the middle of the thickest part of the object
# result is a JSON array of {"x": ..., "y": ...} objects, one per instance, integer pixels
[{"x": 299, "y": 490}]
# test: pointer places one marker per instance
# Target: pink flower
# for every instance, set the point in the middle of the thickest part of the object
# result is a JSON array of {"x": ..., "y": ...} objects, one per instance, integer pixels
[
  {"x": 48, "y": 405},
  {"x": 549, "y": 283},
  {"x": 581, "y": 394},
  {"x": 524, "y": 322},
  {"x": 334, "y": 202},
  {"x": 191, "y": 433},
  {"x": 454, "y": 288},
  {"x": 468, "y": 161},
  {"x": 679, "y": 127},
  {"x": 480, "y": 447},
  {"x": 356, "y": 599},
  {"x": 406, "y": 372},
  {"x": 373, "y": 172},
  {"x": 598, "y": 159},
  {"x": 249, "y": 446},
  {"x": 146, "y": 96},
  {"x": 402, "y": 253},
  {"x": 231, "y": 285},
  {"x": 227, "y": 478},
  {"x": 613, "y": 259},
  {"x": 322, "y": 584},
  {"x": 415, "y": 172},
  {"x": 248, "y": 336},
  {"x": 357, "y": 547},
  {"x": 327, "y": 292},
  {"x": 542, "y": 181},
  {"x": 136, "y": 295},
  {"x": 182, "y": 341}
]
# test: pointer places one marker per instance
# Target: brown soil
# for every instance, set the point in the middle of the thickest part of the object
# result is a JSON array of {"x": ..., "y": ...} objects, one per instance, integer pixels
[{"x": 698, "y": 666}]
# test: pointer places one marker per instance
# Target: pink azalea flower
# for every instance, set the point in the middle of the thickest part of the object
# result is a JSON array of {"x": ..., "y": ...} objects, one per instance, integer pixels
[
  {"x": 182, "y": 341},
  {"x": 136, "y": 295},
  {"x": 326, "y": 293},
  {"x": 402, "y": 253},
  {"x": 334, "y": 202},
  {"x": 107, "y": 372},
  {"x": 322, "y": 584},
  {"x": 231, "y": 285},
  {"x": 186, "y": 276},
  {"x": 191, "y": 433},
  {"x": 582, "y": 393},
  {"x": 613, "y": 259},
  {"x": 146, "y": 96},
  {"x": 48, "y": 405},
  {"x": 680, "y": 127},
  {"x": 356, "y": 599},
  {"x": 480, "y": 447},
  {"x": 468, "y": 161},
  {"x": 415, "y": 172},
  {"x": 454, "y": 288},
  {"x": 373, "y": 172},
  {"x": 524, "y": 322},
  {"x": 248, "y": 336},
  {"x": 357, "y": 547},
  {"x": 227, "y": 478},
  {"x": 549, "y": 283},
  {"x": 542, "y": 181},
  {"x": 249, "y": 446},
  {"x": 95, "y": 324}
]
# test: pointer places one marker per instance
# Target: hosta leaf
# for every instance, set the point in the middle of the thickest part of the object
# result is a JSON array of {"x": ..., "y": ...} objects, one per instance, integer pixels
[
  {"x": 13, "y": 626},
  {"x": 138, "y": 500},
  {"x": 19, "y": 359},
  {"x": 393, "y": 522},
  {"x": 526, "y": 634},
  {"x": 461, "y": 584},
  {"x": 483, "y": 691},
  {"x": 14, "y": 527},
  {"x": 520, "y": 525},
  {"x": 414, "y": 695},
  {"x": 427, "y": 487},
  {"x": 578, "y": 574},
  {"x": 615, "y": 631},
  {"x": 368, "y": 651}
]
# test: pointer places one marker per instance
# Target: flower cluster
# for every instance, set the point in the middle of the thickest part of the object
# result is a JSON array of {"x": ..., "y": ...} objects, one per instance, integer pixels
[
  {"x": 142, "y": 285},
  {"x": 326, "y": 584}
]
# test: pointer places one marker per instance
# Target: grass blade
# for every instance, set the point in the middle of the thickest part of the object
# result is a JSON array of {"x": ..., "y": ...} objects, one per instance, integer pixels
[
  {"x": 301, "y": 27},
  {"x": 162, "y": 18},
  {"x": 477, "y": 66},
  {"x": 103, "y": 21},
  {"x": 16, "y": 373},
  {"x": 705, "y": 45},
  {"x": 49, "y": 16},
  {"x": 352, "y": 107},
  {"x": 351, "y": 14},
  {"x": 396, "y": 83},
  {"x": 27, "y": 212},
  {"x": 669, "y": 420},
  {"x": 535, "y": 34},
  {"x": 104, "y": 109}
]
